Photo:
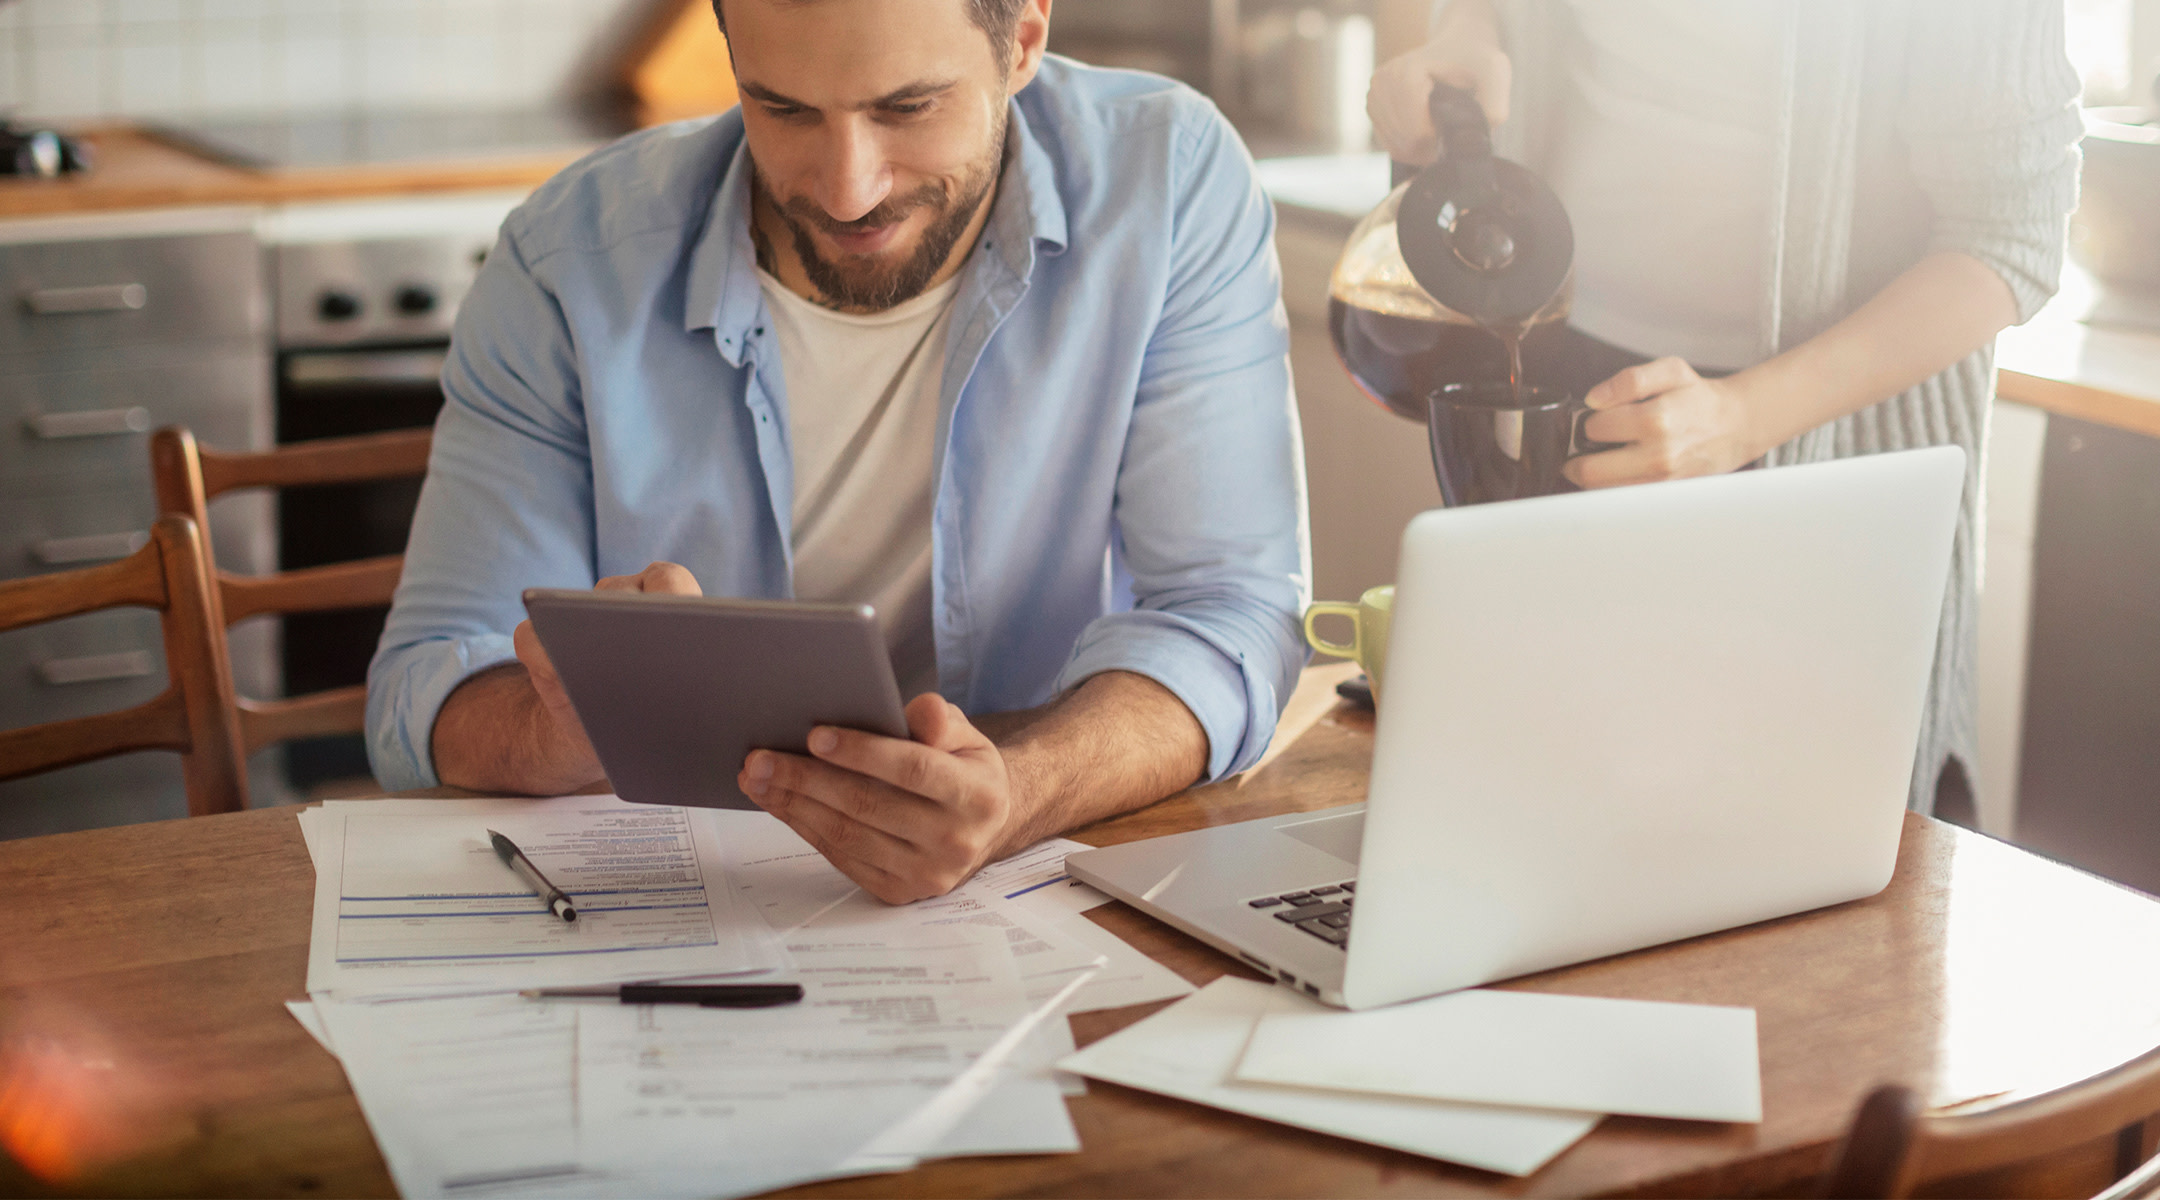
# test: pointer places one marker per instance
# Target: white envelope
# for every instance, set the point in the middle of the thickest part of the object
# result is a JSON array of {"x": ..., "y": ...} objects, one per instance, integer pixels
[
  {"x": 1189, "y": 1049},
  {"x": 1640, "y": 1057}
]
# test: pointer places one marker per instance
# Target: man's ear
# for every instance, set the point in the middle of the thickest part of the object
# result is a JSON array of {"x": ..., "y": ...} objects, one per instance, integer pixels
[{"x": 1031, "y": 36}]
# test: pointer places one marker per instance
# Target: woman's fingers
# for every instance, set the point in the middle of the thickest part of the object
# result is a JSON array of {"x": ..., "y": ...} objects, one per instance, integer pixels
[{"x": 1641, "y": 383}]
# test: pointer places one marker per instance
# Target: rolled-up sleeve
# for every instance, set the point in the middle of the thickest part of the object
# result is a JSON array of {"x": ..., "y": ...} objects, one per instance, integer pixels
[
  {"x": 1210, "y": 507},
  {"x": 507, "y": 505},
  {"x": 1991, "y": 126}
]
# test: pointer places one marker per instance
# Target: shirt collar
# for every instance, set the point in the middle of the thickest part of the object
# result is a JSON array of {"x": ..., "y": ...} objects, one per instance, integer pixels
[{"x": 722, "y": 288}]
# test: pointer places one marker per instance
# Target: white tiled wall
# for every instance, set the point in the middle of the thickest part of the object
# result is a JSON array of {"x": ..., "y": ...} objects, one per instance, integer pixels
[{"x": 73, "y": 59}]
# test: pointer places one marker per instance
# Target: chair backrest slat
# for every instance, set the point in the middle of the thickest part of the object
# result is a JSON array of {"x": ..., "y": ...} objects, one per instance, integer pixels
[
  {"x": 317, "y": 714},
  {"x": 138, "y": 580},
  {"x": 189, "y": 476},
  {"x": 359, "y": 459},
  {"x": 158, "y": 724},
  {"x": 359, "y": 584},
  {"x": 195, "y": 713}
]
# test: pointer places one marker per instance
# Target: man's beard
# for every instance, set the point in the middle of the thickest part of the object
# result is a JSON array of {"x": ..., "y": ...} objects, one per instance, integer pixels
[{"x": 869, "y": 286}]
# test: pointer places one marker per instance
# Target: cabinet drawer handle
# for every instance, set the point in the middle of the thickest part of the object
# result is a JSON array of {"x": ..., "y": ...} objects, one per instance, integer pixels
[
  {"x": 95, "y": 668},
  {"x": 104, "y": 297},
  {"x": 96, "y": 547},
  {"x": 99, "y": 422}
]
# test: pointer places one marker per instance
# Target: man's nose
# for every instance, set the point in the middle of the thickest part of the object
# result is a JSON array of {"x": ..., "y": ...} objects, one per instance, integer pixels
[{"x": 855, "y": 178}]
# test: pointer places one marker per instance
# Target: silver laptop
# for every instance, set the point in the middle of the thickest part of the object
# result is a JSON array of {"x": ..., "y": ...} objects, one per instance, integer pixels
[{"x": 1612, "y": 719}]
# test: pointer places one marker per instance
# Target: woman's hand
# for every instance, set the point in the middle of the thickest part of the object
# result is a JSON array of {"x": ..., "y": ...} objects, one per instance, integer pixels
[
  {"x": 1464, "y": 52},
  {"x": 1676, "y": 424}
]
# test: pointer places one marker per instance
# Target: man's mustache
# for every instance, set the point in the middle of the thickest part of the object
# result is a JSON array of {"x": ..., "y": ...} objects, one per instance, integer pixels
[{"x": 890, "y": 211}]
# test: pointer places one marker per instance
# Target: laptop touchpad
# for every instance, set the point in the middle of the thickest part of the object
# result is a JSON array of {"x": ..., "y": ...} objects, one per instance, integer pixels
[{"x": 1338, "y": 835}]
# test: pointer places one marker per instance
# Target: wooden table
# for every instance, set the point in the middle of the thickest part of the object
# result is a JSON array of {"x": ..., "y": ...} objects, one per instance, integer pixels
[{"x": 143, "y": 970}]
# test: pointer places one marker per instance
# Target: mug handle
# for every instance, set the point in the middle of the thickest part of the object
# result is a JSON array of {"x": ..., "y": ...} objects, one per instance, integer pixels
[
  {"x": 1322, "y": 608},
  {"x": 1580, "y": 443}
]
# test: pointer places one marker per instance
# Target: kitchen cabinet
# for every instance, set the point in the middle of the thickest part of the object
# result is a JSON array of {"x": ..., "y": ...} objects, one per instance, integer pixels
[
  {"x": 109, "y": 328},
  {"x": 2089, "y": 771},
  {"x": 1367, "y": 471}
]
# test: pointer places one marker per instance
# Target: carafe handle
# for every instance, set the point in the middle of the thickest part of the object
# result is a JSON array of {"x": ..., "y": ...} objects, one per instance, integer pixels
[{"x": 1460, "y": 121}]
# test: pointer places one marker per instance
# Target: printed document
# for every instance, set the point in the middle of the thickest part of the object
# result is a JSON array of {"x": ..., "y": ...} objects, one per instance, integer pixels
[
  {"x": 793, "y": 885},
  {"x": 411, "y": 898},
  {"x": 747, "y": 1098}
]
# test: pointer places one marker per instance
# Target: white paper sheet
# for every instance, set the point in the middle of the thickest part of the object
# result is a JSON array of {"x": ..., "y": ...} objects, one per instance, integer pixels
[
  {"x": 1035, "y": 878},
  {"x": 410, "y": 897},
  {"x": 793, "y": 885},
  {"x": 304, "y": 1012},
  {"x": 747, "y": 1096},
  {"x": 1190, "y": 1051},
  {"x": 1639, "y": 1057},
  {"x": 468, "y": 1095}
]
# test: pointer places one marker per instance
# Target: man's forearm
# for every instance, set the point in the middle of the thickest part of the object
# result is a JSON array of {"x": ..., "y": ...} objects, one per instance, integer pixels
[
  {"x": 1117, "y": 742},
  {"x": 492, "y": 735},
  {"x": 1934, "y": 314}
]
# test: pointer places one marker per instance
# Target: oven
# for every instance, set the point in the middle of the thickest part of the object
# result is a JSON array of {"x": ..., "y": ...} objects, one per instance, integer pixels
[{"x": 364, "y": 295}]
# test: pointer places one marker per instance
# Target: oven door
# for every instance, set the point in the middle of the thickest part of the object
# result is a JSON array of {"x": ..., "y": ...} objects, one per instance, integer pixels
[{"x": 342, "y": 393}]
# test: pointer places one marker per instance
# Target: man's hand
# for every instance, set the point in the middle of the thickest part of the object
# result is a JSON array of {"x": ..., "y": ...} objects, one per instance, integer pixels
[
  {"x": 1464, "y": 52},
  {"x": 910, "y": 818},
  {"x": 905, "y": 819},
  {"x": 1676, "y": 424},
  {"x": 512, "y": 730}
]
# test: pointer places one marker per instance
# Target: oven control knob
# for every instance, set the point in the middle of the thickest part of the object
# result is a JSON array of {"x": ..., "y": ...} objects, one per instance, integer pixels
[
  {"x": 335, "y": 305},
  {"x": 414, "y": 300}
]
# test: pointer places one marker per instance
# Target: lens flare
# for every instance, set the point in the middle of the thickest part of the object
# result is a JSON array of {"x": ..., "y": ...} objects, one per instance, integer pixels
[{"x": 67, "y": 1108}]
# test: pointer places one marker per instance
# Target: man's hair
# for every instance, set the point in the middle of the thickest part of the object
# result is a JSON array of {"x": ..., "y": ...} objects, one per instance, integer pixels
[{"x": 996, "y": 18}]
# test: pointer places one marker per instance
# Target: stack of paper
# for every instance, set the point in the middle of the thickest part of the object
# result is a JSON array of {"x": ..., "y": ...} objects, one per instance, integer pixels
[
  {"x": 1503, "y": 1081},
  {"x": 411, "y": 899},
  {"x": 925, "y": 1031}
]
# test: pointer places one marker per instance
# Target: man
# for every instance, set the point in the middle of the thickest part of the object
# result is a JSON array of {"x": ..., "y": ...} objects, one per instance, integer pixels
[{"x": 989, "y": 339}]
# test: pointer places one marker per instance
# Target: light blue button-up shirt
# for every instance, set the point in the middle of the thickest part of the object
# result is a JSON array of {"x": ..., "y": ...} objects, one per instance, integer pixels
[{"x": 1118, "y": 473}]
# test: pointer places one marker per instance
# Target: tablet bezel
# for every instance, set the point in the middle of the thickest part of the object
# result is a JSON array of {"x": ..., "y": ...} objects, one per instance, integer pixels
[{"x": 674, "y": 691}]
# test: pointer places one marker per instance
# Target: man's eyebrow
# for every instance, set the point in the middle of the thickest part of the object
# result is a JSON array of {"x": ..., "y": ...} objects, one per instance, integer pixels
[{"x": 900, "y": 95}]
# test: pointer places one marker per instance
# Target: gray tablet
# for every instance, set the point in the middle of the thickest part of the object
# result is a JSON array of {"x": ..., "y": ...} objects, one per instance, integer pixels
[{"x": 675, "y": 690}]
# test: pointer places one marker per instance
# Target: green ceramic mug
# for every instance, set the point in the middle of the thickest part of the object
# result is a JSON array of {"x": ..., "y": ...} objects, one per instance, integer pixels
[{"x": 1368, "y": 630}]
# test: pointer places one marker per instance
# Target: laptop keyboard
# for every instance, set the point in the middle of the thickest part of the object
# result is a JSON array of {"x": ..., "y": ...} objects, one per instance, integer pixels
[{"x": 1323, "y": 912}]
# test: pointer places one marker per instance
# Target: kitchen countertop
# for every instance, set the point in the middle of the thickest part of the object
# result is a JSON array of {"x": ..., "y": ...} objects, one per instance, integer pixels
[
  {"x": 2093, "y": 353},
  {"x": 137, "y": 171}
]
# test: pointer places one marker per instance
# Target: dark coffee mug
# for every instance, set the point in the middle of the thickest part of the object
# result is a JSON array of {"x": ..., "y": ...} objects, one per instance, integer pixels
[{"x": 1491, "y": 443}]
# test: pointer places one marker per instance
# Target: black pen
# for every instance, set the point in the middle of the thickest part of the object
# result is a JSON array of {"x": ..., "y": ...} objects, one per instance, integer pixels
[
  {"x": 514, "y": 858},
  {"x": 704, "y": 995}
]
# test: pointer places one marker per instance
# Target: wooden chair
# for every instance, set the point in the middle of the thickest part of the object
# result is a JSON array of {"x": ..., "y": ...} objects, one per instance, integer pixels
[
  {"x": 193, "y": 715},
  {"x": 188, "y": 477},
  {"x": 1895, "y": 1149}
]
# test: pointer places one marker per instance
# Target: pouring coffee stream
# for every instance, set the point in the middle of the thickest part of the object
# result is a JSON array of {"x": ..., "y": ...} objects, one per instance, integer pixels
[{"x": 1440, "y": 284}]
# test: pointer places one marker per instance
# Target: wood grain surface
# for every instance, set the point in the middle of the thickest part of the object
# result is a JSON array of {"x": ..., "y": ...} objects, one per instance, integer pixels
[
  {"x": 194, "y": 715},
  {"x": 136, "y": 171},
  {"x": 187, "y": 476},
  {"x": 161, "y": 955}
]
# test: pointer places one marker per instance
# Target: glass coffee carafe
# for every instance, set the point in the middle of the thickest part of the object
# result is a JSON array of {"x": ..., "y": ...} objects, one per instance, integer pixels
[{"x": 1440, "y": 283}]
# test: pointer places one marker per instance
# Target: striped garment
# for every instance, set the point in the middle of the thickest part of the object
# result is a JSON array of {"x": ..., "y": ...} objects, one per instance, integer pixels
[{"x": 1905, "y": 127}]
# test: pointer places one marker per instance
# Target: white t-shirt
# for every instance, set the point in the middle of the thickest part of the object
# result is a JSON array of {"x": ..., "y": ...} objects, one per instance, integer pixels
[
  {"x": 1664, "y": 164},
  {"x": 862, "y": 398}
]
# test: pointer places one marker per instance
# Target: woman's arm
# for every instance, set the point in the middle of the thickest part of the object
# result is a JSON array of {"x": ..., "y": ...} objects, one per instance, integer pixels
[
  {"x": 1679, "y": 424},
  {"x": 1464, "y": 51},
  {"x": 1988, "y": 119}
]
